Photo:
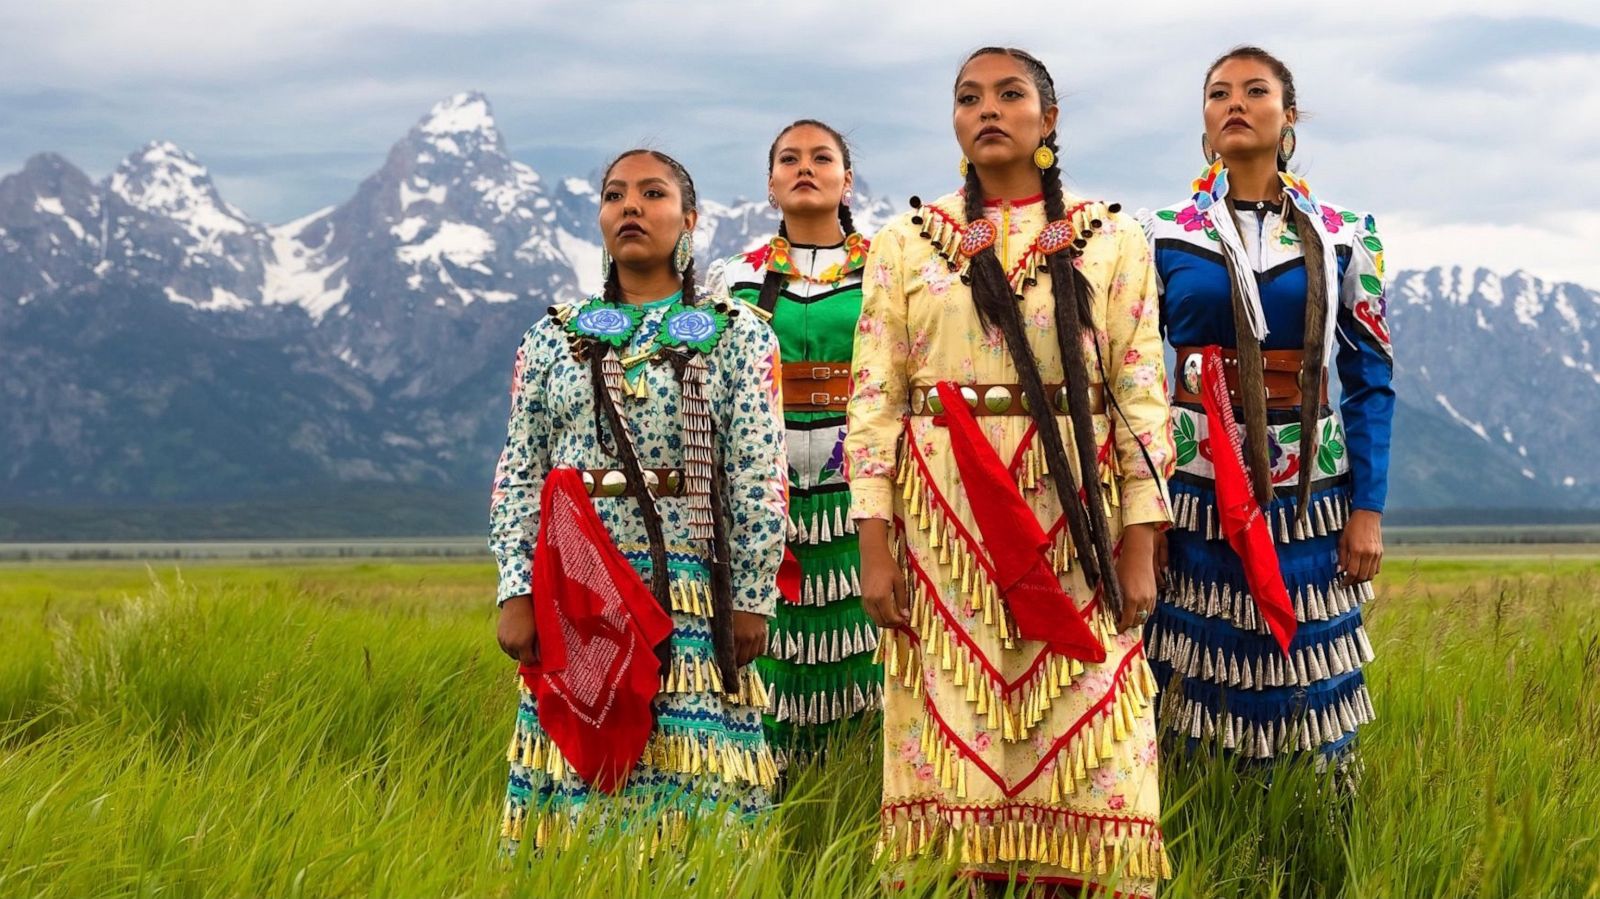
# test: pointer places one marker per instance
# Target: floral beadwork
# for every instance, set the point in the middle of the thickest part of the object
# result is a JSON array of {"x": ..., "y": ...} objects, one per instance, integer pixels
[
  {"x": 609, "y": 323},
  {"x": 694, "y": 327},
  {"x": 774, "y": 256}
]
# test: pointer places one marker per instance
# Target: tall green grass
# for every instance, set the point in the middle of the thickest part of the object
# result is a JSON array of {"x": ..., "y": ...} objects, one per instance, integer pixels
[{"x": 338, "y": 730}]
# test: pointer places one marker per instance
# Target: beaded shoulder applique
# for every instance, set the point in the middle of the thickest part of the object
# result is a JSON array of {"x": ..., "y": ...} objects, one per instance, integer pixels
[
  {"x": 957, "y": 242},
  {"x": 696, "y": 328}
]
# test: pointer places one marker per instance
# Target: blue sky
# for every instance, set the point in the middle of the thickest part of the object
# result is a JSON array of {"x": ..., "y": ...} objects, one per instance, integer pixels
[{"x": 1472, "y": 129}]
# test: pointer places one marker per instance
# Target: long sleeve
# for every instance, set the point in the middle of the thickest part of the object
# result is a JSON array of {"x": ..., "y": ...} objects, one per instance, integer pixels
[
  {"x": 750, "y": 434},
  {"x": 1366, "y": 371},
  {"x": 879, "y": 381},
  {"x": 519, "y": 475},
  {"x": 1138, "y": 380}
]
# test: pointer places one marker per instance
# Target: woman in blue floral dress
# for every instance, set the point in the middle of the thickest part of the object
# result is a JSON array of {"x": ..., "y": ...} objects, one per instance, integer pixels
[{"x": 667, "y": 408}]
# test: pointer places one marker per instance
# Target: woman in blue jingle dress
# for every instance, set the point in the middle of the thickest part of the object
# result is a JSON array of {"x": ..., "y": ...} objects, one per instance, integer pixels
[{"x": 1279, "y": 283}]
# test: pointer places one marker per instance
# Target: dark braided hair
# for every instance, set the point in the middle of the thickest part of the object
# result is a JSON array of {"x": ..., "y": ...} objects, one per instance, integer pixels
[
  {"x": 998, "y": 307},
  {"x": 774, "y": 281},
  {"x": 1252, "y": 376}
]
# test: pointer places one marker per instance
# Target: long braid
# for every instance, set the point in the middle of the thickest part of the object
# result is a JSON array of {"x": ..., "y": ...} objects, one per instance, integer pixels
[
  {"x": 773, "y": 283},
  {"x": 1073, "y": 318},
  {"x": 997, "y": 308},
  {"x": 1252, "y": 390},
  {"x": 1312, "y": 371},
  {"x": 689, "y": 296},
  {"x": 612, "y": 292},
  {"x": 633, "y": 474},
  {"x": 847, "y": 222}
]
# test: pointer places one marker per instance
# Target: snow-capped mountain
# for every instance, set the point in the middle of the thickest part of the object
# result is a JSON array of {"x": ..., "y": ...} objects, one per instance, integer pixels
[
  {"x": 164, "y": 222},
  {"x": 160, "y": 345},
  {"x": 1510, "y": 360},
  {"x": 50, "y": 230}
]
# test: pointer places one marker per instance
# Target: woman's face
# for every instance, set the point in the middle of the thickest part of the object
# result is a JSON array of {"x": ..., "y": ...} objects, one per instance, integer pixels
[
  {"x": 808, "y": 173},
  {"x": 1244, "y": 114},
  {"x": 999, "y": 117},
  {"x": 641, "y": 212}
]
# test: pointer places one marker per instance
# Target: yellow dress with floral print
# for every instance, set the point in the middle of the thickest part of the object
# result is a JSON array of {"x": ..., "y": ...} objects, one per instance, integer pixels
[{"x": 1014, "y": 760}]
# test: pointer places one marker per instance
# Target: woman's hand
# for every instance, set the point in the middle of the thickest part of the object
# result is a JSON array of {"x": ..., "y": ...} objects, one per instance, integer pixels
[
  {"x": 883, "y": 584},
  {"x": 1136, "y": 573},
  {"x": 516, "y": 630},
  {"x": 1361, "y": 547},
  {"x": 749, "y": 637}
]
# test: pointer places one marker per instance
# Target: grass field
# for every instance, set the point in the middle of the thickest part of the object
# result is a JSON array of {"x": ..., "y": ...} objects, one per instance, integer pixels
[{"x": 337, "y": 729}]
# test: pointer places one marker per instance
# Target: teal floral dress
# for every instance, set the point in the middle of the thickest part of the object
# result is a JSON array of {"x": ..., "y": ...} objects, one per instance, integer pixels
[{"x": 707, "y": 746}]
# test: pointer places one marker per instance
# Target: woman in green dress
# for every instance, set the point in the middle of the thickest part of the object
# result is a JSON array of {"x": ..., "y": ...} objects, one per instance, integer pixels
[{"x": 807, "y": 282}]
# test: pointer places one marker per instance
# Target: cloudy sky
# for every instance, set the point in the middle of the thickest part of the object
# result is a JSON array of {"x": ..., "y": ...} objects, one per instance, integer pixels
[{"x": 1472, "y": 129}]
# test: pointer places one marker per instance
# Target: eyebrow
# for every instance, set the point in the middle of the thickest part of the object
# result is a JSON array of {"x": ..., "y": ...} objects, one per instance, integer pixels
[
  {"x": 1220, "y": 83},
  {"x": 1009, "y": 79},
  {"x": 819, "y": 148},
  {"x": 618, "y": 182}
]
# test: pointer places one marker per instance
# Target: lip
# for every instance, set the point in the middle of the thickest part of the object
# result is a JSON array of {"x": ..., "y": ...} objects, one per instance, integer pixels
[
  {"x": 1235, "y": 122},
  {"x": 630, "y": 229},
  {"x": 991, "y": 131},
  {"x": 804, "y": 184}
]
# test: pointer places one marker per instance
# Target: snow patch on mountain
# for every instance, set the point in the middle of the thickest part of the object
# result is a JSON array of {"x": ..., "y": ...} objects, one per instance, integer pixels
[
  {"x": 297, "y": 275},
  {"x": 1460, "y": 419},
  {"x": 460, "y": 244}
]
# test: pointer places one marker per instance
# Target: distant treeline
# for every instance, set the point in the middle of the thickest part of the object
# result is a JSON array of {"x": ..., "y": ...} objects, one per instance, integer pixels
[
  {"x": 344, "y": 513},
  {"x": 337, "y": 512}
]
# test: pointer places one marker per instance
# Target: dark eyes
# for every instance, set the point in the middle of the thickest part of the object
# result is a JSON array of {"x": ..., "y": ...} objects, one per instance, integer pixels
[
  {"x": 612, "y": 196},
  {"x": 1255, "y": 91},
  {"x": 1007, "y": 94}
]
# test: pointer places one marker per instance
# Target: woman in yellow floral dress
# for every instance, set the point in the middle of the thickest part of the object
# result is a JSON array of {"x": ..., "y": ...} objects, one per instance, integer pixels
[{"x": 1018, "y": 733}]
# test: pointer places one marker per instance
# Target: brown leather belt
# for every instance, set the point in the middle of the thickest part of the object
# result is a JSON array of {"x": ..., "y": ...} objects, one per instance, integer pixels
[
  {"x": 1280, "y": 376},
  {"x": 605, "y": 482},
  {"x": 816, "y": 386},
  {"x": 1000, "y": 399}
]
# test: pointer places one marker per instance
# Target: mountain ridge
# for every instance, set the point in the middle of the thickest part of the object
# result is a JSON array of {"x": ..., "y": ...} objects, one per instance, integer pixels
[{"x": 164, "y": 347}]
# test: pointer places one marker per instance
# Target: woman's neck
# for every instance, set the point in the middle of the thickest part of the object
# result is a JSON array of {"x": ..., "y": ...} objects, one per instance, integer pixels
[
  {"x": 817, "y": 229},
  {"x": 1014, "y": 182},
  {"x": 1253, "y": 177},
  {"x": 647, "y": 286}
]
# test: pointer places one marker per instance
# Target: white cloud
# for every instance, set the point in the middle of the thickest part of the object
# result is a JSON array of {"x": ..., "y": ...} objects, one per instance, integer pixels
[
  {"x": 1556, "y": 249},
  {"x": 1423, "y": 115}
]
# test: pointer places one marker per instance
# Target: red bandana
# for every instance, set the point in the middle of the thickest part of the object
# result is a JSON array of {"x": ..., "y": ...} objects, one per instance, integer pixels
[
  {"x": 597, "y": 625},
  {"x": 1242, "y": 522},
  {"x": 790, "y": 577},
  {"x": 1014, "y": 539}
]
